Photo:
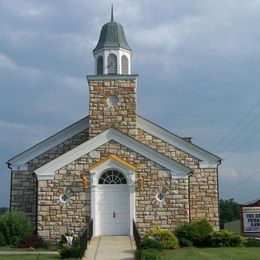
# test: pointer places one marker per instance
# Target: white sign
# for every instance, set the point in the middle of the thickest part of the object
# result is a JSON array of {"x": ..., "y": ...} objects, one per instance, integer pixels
[{"x": 251, "y": 219}]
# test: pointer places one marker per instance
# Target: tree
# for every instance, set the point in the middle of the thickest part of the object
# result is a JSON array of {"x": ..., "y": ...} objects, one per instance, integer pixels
[{"x": 229, "y": 211}]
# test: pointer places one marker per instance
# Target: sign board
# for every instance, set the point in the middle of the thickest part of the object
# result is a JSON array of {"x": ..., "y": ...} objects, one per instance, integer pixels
[{"x": 251, "y": 219}]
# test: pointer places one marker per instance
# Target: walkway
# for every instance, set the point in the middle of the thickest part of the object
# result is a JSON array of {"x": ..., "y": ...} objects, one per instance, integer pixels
[{"x": 110, "y": 248}]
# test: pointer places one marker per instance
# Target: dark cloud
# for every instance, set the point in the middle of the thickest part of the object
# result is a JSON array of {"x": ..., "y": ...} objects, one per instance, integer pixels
[{"x": 198, "y": 63}]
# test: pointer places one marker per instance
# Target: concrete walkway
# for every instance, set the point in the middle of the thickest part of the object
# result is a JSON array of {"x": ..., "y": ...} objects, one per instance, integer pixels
[{"x": 110, "y": 248}]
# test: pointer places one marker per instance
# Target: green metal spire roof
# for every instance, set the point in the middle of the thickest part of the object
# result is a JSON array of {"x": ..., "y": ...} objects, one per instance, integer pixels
[{"x": 112, "y": 35}]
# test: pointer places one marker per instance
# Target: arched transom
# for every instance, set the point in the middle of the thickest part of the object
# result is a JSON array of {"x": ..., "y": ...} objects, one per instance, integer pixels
[{"x": 112, "y": 177}]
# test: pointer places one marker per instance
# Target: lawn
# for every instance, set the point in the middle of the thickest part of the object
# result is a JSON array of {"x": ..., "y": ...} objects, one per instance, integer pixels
[
  {"x": 230, "y": 253},
  {"x": 29, "y": 257}
]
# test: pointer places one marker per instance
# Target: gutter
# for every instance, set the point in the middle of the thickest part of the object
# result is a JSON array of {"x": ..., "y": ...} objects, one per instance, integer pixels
[
  {"x": 9, "y": 165},
  {"x": 219, "y": 162},
  {"x": 36, "y": 204}
]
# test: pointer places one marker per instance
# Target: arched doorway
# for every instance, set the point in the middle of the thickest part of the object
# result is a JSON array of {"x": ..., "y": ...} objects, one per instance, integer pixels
[{"x": 112, "y": 204}]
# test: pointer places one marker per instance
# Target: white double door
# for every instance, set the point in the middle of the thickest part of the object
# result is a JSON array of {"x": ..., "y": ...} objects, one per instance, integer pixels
[{"x": 113, "y": 214}]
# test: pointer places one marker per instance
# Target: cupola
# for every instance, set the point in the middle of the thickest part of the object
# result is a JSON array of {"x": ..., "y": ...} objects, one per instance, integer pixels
[{"x": 112, "y": 53}]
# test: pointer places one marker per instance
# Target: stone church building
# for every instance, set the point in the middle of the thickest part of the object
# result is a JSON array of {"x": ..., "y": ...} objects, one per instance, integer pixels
[{"x": 114, "y": 166}]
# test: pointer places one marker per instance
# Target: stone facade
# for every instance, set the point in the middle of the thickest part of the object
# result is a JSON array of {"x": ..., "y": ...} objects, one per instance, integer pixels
[
  {"x": 23, "y": 190},
  {"x": 203, "y": 189},
  {"x": 55, "y": 216},
  {"x": 187, "y": 199},
  {"x": 123, "y": 115}
]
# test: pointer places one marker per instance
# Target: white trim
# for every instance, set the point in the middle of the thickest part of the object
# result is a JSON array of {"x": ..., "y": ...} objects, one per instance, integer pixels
[
  {"x": 20, "y": 167},
  {"x": 177, "y": 170},
  {"x": 49, "y": 143},
  {"x": 207, "y": 159},
  {"x": 95, "y": 174}
]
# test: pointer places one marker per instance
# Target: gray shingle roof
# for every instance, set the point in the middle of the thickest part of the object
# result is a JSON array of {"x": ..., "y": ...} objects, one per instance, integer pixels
[{"x": 112, "y": 35}]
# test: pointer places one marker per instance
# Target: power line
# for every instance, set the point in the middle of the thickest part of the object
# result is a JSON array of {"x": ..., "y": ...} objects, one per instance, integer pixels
[
  {"x": 235, "y": 126},
  {"x": 243, "y": 181},
  {"x": 238, "y": 147},
  {"x": 242, "y": 131}
]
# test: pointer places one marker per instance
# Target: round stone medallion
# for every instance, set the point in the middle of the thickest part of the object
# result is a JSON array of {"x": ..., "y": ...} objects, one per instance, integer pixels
[{"x": 112, "y": 101}]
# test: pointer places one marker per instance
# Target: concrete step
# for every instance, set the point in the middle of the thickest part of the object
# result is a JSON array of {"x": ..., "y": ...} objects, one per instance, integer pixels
[{"x": 111, "y": 248}]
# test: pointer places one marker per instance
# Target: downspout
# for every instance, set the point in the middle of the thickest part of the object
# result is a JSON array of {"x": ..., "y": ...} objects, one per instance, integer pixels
[
  {"x": 219, "y": 162},
  {"x": 9, "y": 165},
  {"x": 189, "y": 175},
  {"x": 36, "y": 210}
]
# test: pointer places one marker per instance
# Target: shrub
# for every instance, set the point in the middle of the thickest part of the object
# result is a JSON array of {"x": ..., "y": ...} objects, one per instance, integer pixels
[
  {"x": 47, "y": 244},
  {"x": 14, "y": 227},
  {"x": 196, "y": 233},
  {"x": 31, "y": 241},
  {"x": 71, "y": 252},
  {"x": 148, "y": 254},
  {"x": 226, "y": 238},
  {"x": 166, "y": 238},
  {"x": 252, "y": 242},
  {"x": 148, "y": 243}
]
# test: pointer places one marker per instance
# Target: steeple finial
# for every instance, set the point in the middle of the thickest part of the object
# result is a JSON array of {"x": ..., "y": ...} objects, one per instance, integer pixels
[{"x": 112, "y": 13}]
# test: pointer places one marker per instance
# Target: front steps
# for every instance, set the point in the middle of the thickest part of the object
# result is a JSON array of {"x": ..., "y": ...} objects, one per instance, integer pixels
[{"x": 111, "y": 248}]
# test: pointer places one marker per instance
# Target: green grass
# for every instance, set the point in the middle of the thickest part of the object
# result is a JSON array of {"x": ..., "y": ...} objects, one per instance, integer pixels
[
  {"x": 29, "y": 257},
  {"x": 229, "y": 253}
]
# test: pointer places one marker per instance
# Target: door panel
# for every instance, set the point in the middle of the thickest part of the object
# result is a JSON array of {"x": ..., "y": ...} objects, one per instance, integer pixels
[{"x": 113, "y": 209}]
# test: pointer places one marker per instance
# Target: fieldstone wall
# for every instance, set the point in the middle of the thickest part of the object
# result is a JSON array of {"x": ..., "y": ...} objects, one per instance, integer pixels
[
  {"x": 122, "y": 116},
  {"x": 23, "y": 194},
  {"x": 149, "y": 212},
  {"x": 202, "y": 184}
]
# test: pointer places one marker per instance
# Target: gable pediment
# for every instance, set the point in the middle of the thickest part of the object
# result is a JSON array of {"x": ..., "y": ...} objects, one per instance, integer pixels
[
  {"x": 176, "y": 169},
  {"x": 207, "y": 159}
]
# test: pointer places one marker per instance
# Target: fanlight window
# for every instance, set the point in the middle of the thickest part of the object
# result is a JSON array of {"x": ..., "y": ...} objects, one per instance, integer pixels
[
  {"x": 112, "y": 177},
  {"x": 100, "y": 65},
  {"x": 124, "y": 62},
  {"x": 112, "y": 64}
]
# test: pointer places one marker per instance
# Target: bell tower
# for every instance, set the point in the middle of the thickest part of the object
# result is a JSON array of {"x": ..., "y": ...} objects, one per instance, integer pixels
[
  {"x": 112, "y": 90},
  {"x": 112, "y": 53}
]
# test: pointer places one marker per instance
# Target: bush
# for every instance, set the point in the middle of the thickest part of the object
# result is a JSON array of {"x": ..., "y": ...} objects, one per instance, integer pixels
[
  {"x": 148, "y": 254},
  {"x": 71, "y": 252},
  {"x": 165, "y": 237},
  {"x": 148, "y": 243},
  {"x": 14, "y": 227},
  {"x": 252, "y": 242},
  {"x": 47, "y": 244},
  {"x": 225, "y": 238},
  {"x": 31, "y": 241},
  {"x": 196, "y": 233}
]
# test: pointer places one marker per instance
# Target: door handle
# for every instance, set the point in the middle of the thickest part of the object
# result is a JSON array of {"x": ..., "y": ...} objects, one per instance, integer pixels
[{"x": 114, "y": 214}]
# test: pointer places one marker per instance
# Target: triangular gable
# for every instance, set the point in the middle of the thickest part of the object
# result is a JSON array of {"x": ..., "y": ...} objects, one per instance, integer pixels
[
  {"x": 19, "y": 161},
  {"x": 177, "y": 170},
  {"x": 207, "y": 159}
]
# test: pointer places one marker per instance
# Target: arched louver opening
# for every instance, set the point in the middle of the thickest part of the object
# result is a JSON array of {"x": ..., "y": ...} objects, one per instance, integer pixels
[
  {"x": 100, "y": 65},
  {"x": 112, "y": 64},
  {"x": 112, "y": 177},
  {"x": 124, "y": 62}
]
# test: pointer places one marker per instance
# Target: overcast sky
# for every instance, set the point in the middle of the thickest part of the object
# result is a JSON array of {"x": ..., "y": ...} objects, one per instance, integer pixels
[{"x": 198, "y": 64}]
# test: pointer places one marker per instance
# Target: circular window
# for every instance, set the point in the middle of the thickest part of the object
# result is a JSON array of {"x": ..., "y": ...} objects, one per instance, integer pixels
[
  {"x": 112, "y": 101},
  {"x": 64, "y": 197},
  {"x": 160, "y": 196}
]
